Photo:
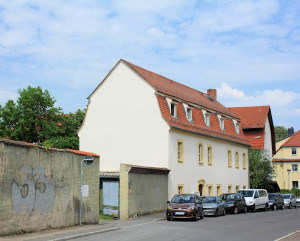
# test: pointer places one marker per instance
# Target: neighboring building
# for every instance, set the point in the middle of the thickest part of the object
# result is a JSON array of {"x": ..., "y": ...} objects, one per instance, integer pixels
[
  {"x": 286, "y": 161},
  {"x": 141, "y": 118},
  {"x": 256, "y": 121}
]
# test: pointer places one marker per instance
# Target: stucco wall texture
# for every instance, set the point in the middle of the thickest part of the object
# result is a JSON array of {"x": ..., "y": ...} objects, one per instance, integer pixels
[
  {"x": 142, "y": 193},
  {"x": 40, "y": 189}
]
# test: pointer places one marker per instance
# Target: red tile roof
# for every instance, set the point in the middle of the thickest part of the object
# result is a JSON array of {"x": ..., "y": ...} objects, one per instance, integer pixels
[
  {"x": 252, "y": 116},
  {"x": 178, "y": 90},
  {"x": 286, "y": 160},
  {"x": 27, "y": 144},
  {"x": 294, "y": 140}
]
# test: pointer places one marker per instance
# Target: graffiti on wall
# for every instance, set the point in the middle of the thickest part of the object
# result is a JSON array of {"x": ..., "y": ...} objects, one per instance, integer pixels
[{"x": 32, "y": 190}]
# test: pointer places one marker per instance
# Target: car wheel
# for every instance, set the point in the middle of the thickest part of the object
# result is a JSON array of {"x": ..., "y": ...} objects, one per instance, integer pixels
[
  {"x": 235, "y": 210},
  {"x": 168, "y": 219},
  {"x": 245, "y": 209},
  {"x": 224, "y": 212},
  {"x": 266, "y": 207},
  {"x": 253, "y": 208},
  {"x": 290, "y": 206},
  {"x": 296, "y": 206},
  {"x": 217, "y": 213},
  {"x": 282, "y": 207},
  {"x": 202, "y": 215}
]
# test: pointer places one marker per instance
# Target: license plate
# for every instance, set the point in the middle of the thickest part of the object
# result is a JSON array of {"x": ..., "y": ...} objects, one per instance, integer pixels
[{"x": 179, "y": 213}]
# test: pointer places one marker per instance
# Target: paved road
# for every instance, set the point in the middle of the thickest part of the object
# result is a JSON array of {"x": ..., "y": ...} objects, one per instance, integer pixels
[{"x": 256, "y": 226}]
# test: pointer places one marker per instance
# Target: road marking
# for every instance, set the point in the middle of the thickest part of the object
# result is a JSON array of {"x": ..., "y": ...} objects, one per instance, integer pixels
[{"x": 286, "y": 236}]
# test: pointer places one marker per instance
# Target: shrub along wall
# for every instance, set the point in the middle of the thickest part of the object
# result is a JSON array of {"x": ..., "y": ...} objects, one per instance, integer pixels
[{"x": 40, "y": 189}]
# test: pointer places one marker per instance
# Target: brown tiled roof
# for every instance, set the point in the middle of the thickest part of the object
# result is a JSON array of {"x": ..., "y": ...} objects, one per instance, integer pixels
[
  {"x": 294, "y": 140},
  {"x": 178, "y": 90},
  {"x": 252, "y": 116},
  {"x": 286, "y": 160}
]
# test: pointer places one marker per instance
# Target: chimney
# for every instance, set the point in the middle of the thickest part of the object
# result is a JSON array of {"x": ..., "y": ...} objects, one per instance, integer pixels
[
  {"x": 212, "y": 93},
  {"x": 291, "y": 131}
]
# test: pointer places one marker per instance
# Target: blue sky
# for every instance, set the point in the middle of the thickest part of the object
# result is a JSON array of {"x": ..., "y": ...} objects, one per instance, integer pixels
[{"x": 248, "y": 50}]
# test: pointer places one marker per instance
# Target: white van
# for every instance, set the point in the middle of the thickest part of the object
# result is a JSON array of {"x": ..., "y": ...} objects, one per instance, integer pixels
[{"x": 256, "y": 198}]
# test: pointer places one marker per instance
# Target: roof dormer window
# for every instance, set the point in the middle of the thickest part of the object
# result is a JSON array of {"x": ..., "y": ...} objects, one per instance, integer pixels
[
  {"x": 189, "y": 114},
  {"x": 206, "y": 116},
  {"x": 221, "y": 122},
  {"x": 236, "y": 126},
  {"x": 173, "y": 109}
]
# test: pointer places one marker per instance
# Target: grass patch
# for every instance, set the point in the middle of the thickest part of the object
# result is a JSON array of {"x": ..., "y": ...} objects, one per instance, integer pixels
[{"x": 103, "y": 217}]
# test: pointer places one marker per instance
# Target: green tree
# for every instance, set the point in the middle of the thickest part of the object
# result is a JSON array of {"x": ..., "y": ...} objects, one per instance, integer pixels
[
  {"x": 261, "y": 170},
  {"x": 32, "y": 119},
  {"x": 280, "y": 133}
]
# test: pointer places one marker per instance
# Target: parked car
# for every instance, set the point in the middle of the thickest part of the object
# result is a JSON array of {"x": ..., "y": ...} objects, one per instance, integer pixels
[
  {"x": 276, "y": 201},
  {"x": 289, "y": 200},
  {"x": 234, "y": 202},
  {"x": 255, "y": 198},
  {"x": 298, "y": 201},
  {"x": 213, "y": 205},
  {"x": 185, "y": 206}
]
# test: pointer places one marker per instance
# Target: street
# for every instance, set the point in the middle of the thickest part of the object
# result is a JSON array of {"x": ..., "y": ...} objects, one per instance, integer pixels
[{"x": 270, "y": 225}]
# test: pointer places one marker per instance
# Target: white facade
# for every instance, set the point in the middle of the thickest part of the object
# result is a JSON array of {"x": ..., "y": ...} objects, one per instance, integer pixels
[
  {"x": 268, "y": 138},
  {"x": 190, "y": 173},
  {"x": 124, "y": 124}
]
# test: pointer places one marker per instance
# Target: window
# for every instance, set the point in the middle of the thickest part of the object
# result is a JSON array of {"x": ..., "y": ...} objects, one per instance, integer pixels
[
  {"x": 294, "y": 167},
  {"x": 207, "y": 119},
  {"x": 237, "y": 187},
  {"x": 294, "y": 150},
  {"x": 236, "y": 124},
  {"x": 179, "y": 151},
  {"x": 229, "y": 189},
  {"x": 200, "y": 153},
  {"x": 244, "y": 186},
  {"x": 218, "y": 189},
  {"x": 229, "y": 158},
  {"x": 237, "y": 163},
  {"x": 173, "y": 109},
  {"x": 244, "y": 161},
  {"x": 189, "y": 114},
  {"x": 180, "y": 188},
  {"x": 221, "y": 122},
  {"x": 209, "y": 155},
  {"x": 210, "y": 190},
  {"x": 295, "y": 184}
]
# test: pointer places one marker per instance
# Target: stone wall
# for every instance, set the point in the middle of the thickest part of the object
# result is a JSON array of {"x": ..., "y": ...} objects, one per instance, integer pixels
[
  {"x": 40, "y": 189},
  {"x": 143, "y": 190}
]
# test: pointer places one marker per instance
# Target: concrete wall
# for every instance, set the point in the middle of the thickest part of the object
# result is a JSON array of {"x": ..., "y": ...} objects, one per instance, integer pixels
[
  {"x": 40, "y": 189},
  {"x": 142, "y": 193},
  {"x": 123, "y": 122},
  {"x": 190, "y": 174}
]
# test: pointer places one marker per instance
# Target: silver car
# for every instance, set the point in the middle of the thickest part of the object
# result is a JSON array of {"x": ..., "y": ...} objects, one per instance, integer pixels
[
  {"x": 289, "y": 200},
  {"x": 213, "y": 205}
]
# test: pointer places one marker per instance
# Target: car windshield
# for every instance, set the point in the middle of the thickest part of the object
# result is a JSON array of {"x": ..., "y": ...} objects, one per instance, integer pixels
[
  {"x": 183, "y": 199},
  {"x": 228, "y": 197},
  {"x": 272, "y": 196},
  {"x": 208, "y": 199},
  {"x": 286, "y": 196},
  {"x": 246, "y": 193}
]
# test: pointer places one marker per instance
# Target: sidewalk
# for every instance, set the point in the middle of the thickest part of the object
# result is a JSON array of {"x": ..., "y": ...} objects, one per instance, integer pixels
[{"x": 85, "y": 230}]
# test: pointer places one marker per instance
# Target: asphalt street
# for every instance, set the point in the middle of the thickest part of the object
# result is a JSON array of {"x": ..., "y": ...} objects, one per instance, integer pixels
[{"x": 260, "y": 225}]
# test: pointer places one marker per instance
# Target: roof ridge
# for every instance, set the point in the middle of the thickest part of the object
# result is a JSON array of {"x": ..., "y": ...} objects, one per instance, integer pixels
[{"x": 163, "y": 77}]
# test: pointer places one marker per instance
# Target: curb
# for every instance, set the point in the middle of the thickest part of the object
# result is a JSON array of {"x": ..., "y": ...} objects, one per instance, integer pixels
[
  {"x": 286, "y": 236},
  {"x": 85, "y": 234},
  {"x": 159, "y": 219}
]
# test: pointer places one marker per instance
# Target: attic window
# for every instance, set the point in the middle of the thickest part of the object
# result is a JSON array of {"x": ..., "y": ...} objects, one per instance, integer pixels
[
  {"x": 189, "y": 114},
  {"x": 173, "y": 109},
  {"x": 207, "y": 118},
  {"x": 221, "y": 122},
  {"x": 237, "y": 127}
]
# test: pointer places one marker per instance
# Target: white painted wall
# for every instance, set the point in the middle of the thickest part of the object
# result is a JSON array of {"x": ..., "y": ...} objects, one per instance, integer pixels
[
  {"x": 268, "y": 138},
  {"x": 189, "y": 172},
  {"x": 123, "y": 123}
]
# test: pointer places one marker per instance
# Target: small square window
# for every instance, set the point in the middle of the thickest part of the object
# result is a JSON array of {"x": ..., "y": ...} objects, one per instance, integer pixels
[
  {"x": 180, "y": 189},
  {"x": 294, "y": 167},
  {"x": 294, "y": 151},
  {"x": 295, "y": 184}
]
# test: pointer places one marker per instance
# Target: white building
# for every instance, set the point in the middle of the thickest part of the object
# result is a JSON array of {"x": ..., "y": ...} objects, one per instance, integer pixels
[{"x": 138, "y": 117}]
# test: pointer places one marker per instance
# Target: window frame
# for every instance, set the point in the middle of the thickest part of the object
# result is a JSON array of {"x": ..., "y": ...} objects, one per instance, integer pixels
[
  {"x": 295, "y": 165},
  {"x": 200, "y": 154},
  {"x": 174, "y": 104},
  {"x": 229, "y": 158},
  {"x": 180, "y": 151},
  {"x": 237, "y": 159},
  {"x": 229, "y": 188},
  {"x": 244, "y": 161},
  {"x": 218, "y": 190},
  {"x": 237, "y": 187},
  {"x": 189, "y": 114},
  {"x": 294, "y": 182},
  {"x": 209, "y": 155},
  {"x": 210, "y": 190},
  {"x": 178, "y": 188},
  {"x": 293, "y": 148}
]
